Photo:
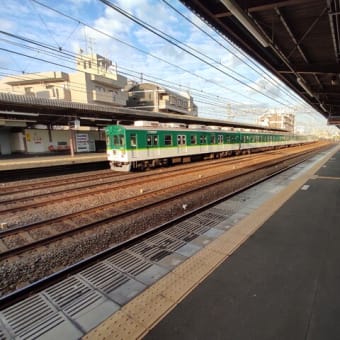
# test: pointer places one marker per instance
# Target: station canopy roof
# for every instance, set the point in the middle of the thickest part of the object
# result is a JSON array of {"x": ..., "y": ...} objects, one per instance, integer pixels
[
  {"x": 21, "y": 111},
  {"x": 297, "y": 40}
]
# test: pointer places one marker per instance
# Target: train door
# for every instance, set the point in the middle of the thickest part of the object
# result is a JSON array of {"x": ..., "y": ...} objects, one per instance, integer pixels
[
  {"x": 203, "y": 144},
  {"x": 152, "y": 145},
  {"x": 212, "y": 143},
  {"x": 181, "y": 144},
  {"x": 133, "y": 144}
]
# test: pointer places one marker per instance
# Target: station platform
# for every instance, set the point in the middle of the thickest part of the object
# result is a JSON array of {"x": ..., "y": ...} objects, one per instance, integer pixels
[
  {"x": 282, "y": 283},
  {"x": 273, "y": 275},
  {"x": 30, "y": 162}
]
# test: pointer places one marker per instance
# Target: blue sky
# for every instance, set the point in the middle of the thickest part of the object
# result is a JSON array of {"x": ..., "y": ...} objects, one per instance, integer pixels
[{"x": 91, "y": 25}]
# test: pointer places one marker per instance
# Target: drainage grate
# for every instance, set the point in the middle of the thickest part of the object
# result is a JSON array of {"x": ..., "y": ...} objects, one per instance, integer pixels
[
  {"x": 166, "y": 242},
  {"x": 129, "y": 263},
  {"x": 66, "y": 291},
  {"x": 42, "y": 327},
  {"x": 80, "y": 305},
  {"x": 3, "y": 336},
  {"x": 219, "y": 212},
  {"x": 104, "y": 276},
  {"x": 149, "y": 251},
  {"x": 214, "y": 218},
  {"x": 31, "y": 317},
  {"x": 209, "y": 219},
  {"x": 180, "y": 234},
  {"x": 192, "y": 227}
]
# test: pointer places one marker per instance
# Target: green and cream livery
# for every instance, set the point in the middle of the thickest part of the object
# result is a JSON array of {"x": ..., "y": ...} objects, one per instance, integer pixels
[{"x": 151, "y": 144}]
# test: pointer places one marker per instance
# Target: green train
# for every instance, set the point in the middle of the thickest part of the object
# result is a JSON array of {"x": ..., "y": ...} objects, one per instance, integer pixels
[{"x": 150, "y": 144}]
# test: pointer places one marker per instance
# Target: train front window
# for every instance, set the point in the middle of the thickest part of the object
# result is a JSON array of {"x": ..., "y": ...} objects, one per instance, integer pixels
[{"x": 118, "y": 140}]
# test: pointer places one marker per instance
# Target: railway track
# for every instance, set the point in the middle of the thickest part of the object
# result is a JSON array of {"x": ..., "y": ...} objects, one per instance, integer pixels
[
  {"x": 11, "y": 203},
  {"x": 34, "y": 195},
  {"x": 24, "y": 174},
  {"x": 54, "y": 229},
  {"x": 23, "y": 187},
  {"x": 126, "y": 219}
]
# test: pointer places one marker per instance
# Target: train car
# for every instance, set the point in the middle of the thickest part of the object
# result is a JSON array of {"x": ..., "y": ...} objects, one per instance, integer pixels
[{"x": 149, "y": 145}]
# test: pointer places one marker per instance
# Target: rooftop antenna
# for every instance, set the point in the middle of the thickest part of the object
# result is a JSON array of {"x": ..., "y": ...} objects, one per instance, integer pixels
[{"x": 85, "y": 38}]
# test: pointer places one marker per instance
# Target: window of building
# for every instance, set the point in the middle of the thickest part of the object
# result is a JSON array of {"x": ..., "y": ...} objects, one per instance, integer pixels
[{"x": 28, "y": 90}]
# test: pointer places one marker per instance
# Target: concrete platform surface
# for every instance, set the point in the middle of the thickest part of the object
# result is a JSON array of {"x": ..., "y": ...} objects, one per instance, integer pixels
[
  {"x": 14, "y": 163},
  {"x": 282, "y": 283}
]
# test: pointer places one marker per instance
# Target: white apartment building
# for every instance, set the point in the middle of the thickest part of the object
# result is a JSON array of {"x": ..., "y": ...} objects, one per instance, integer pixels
[
  {"x": 285, "y": 121},
  {"x": 96, "y": 81},
  {"x": 152, "y": 97}
]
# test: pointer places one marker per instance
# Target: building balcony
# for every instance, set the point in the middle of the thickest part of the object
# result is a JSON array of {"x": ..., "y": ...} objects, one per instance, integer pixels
[
  {"x": 112, "y": 98},
  {"x": 165, "y": 105},
  {"x": 110, "y": 79},
  {"x": 38, "y": 78}
]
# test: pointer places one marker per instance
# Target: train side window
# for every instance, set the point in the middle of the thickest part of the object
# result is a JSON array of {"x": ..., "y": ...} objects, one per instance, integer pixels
[
  {"x": 115, "y": 140},
  {"x": 168, "y": 140},
  {"x": 203, "y": 139},
  {"x": 212, "y": 139},
  {"x": 220, "y": 139},
  {"x": 193, "y": 139},
  {"x": 133, "y": 140},
  {"x": 181, "y": 140},
  {"x": 155, "y": 140},
  {"x": 148, "y": 140}
]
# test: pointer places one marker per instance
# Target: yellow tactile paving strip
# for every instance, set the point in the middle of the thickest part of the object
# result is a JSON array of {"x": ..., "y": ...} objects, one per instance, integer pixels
[{"x": 135, "y": 319}]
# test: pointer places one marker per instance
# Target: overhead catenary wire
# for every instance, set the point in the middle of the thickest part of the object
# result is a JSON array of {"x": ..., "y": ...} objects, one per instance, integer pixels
[
  {"x": 70, "y": 54},
  {"x": 130, "y": 46},
  {"x": 166, "y": 38},
  {"x": 167, "y": 83},
  {"x": 269, "y": 77}
]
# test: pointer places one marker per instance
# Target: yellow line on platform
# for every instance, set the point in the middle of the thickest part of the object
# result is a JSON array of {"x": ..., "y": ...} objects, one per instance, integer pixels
[{"x": 326, "y": 177}]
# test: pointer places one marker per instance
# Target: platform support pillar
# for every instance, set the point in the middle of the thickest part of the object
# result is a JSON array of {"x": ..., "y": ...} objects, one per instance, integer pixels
[{"x": 71, "y": 143}]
